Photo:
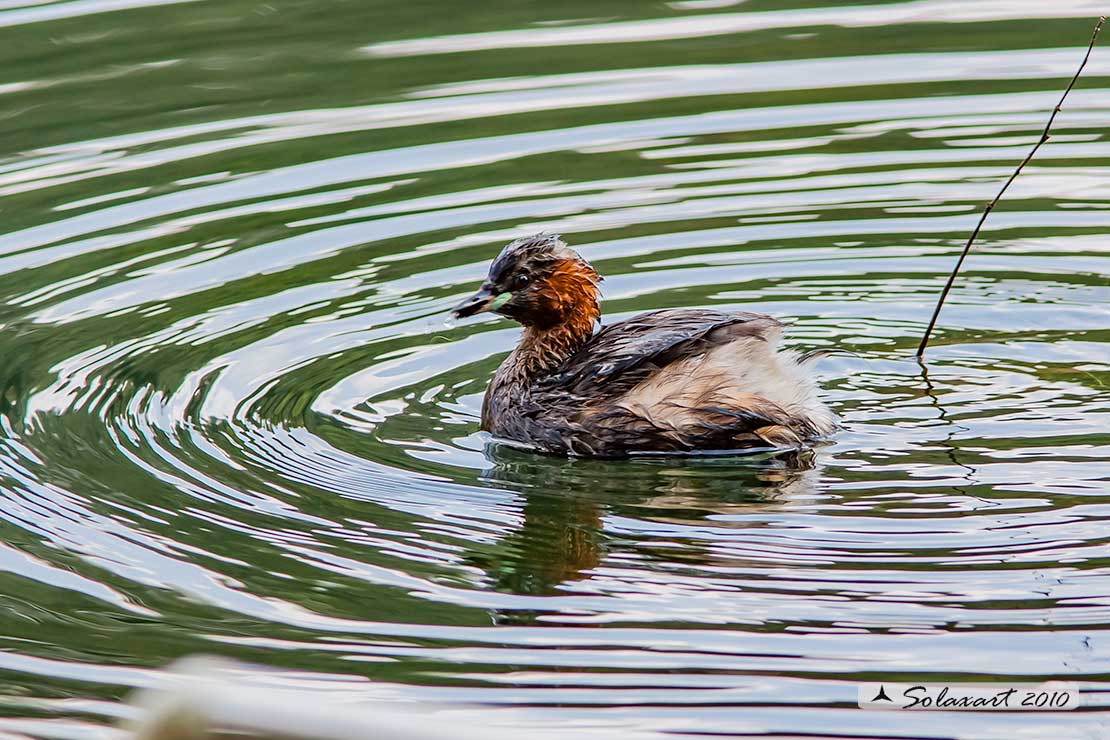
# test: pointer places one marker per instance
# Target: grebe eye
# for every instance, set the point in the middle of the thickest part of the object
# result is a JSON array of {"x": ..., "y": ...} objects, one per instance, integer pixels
[{"x": 520, "y": 281}]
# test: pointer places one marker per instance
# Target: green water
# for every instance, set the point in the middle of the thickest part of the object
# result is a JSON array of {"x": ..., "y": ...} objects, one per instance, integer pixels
[{"x": 234, "y": 419}]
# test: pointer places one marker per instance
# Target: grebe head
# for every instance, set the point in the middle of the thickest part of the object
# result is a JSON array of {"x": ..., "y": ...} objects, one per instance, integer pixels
[{"x": 540, "y": 282}]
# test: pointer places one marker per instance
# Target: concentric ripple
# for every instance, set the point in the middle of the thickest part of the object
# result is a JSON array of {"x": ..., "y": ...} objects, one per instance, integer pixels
[{"x": 234, "y": 418}]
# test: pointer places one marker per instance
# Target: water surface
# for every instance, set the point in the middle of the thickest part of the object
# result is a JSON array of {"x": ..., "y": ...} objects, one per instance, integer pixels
[{"x": 233, "y": 419}]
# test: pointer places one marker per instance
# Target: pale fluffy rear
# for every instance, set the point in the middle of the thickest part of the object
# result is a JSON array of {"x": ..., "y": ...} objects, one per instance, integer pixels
[{"x": 748, "y": 373}]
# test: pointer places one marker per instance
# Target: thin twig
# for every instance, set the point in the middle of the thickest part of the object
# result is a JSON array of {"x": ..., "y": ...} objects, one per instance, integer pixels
[{"x": 994, "y": 201}]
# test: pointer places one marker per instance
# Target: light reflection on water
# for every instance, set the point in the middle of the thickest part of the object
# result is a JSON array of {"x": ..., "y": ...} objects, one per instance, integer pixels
[{"x": 234, "y": 418}]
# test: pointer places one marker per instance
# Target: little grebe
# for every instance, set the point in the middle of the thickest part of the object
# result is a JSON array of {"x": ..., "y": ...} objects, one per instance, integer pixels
[{"x": 676, "y": 380}]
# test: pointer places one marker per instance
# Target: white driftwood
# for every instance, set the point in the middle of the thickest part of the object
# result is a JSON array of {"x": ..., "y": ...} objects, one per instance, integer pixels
[{"x": 214, "y": 699}]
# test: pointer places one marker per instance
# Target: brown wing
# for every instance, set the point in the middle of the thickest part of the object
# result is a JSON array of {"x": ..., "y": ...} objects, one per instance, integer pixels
[
  {"x": 623, "y": 354},
  {"x": 578, "y": 410}
]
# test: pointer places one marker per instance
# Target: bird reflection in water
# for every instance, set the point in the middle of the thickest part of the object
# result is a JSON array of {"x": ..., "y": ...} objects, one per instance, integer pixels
[{"x": 563, "y": 539}]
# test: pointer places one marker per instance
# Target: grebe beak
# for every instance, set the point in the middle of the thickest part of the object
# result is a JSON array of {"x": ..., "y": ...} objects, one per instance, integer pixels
[{"x": 486, "y": 299}]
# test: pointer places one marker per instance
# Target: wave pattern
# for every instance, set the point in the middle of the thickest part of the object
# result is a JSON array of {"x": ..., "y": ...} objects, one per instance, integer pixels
[{"x": 233, "y": 418}]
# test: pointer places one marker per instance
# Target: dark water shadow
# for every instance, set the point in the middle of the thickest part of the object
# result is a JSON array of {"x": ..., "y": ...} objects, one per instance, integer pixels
[{"x": 563, "y": 537}]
